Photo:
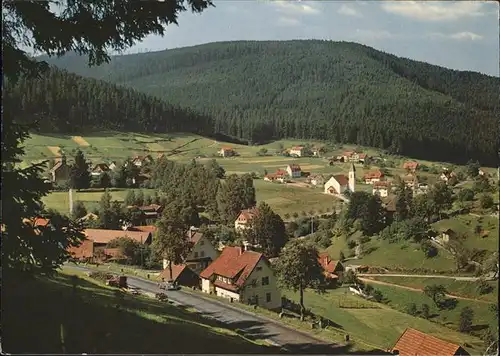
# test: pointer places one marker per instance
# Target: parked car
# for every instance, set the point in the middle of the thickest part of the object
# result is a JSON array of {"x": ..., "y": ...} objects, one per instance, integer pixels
[{"x": 169, "y": 286}]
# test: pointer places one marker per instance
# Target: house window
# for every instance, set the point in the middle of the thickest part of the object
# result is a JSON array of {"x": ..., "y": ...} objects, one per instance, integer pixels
[
  {"x": 265, "y": 281},
  {"x": 196, "y": 255},
  {"x": 202, "y": 254},
  {"x": 259, "y": 268},
  {"x": 268, "y": 297}
]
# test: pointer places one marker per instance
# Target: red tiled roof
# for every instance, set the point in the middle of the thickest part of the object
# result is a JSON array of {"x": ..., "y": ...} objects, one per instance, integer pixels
[
  {"x": 413, "y": 342},
  {"x": 270, "y": 176},
  {"x": 381, "y": 184},
  {"x": 146, "y": 228},
  {"x": 85, "y": 250},
  {"x": 342, "y": 179},
  {"x": 294, "y": 167},
  {"x": 410, "y": 165},
  {"x": 374, "y": 174},
  {"x": 102, "y": 236},
  {"x": 227, "y": 148},
  {"x": 280, "y": 172},
  {"x": 101, "y": 166},
  {"x": 150, "y": 207},
  {"x": 327, "y": 264},
  {"x": 176, "y": 272},
  {"x": 362, "y": 155},
  {"x": 248, "y": 214},
  {"x": 231, "y": 264},
  {"x": 40, "y": 222}
]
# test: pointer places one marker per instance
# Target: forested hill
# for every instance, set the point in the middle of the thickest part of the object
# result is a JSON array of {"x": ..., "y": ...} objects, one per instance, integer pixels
[
  {"x": 320, "y": 89},
  {"x": 66, "y": 102}
]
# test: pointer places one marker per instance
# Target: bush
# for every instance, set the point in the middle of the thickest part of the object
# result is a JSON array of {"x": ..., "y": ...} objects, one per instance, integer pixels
[
  {"x": 425, "y": 311},
  {"x": 429, "y": 249},
  {"x": 351, "y": 244},
  {"x": 411, "y": 309},
  {"x": 465, "y": 321},
  {"x": 377, "y": 295},
  {"x": 483, "y": 287}
]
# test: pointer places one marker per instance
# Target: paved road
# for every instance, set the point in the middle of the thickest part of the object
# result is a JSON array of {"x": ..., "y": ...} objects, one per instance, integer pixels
[
  {"x": 458, "y": 278},
  {"x": 253, "y": 325}
]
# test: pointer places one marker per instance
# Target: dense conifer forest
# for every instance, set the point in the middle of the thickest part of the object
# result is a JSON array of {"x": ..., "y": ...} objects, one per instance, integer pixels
[{"x": 259, "y": 91}]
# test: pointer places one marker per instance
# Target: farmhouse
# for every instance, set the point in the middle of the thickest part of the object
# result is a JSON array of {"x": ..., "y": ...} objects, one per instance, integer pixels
[
  {"x": 294, "y": 170},
  {"x": 83, "y": 252},
  {"x": 140, "y": 161},
  {"x": 226, "y": 152},
  {"x": 332, "y": 269},
  {"x": 60, "y": 171},
  {"x": 446, "y": 176},
  {"x": 202, "y": 251},
  {"x": 99, "y": 169},
  {"x": 151, "y": 211},
  {"x": 244, "y": 276},
  {"x": 410, "y": 180},
  {"x": 354, "y": 157},
  {"x": 339, "y": 183},
  {"x": 181, "y": 275},
  {"x": 112, "y": 165},
  {"x": 389, "y": 205},
  {"x": 244, "y": 219},
  {"x": 410, "y": 166},
  {"x": 146, "y": 228},
  {"x": 279, "y": 176},
  {"x": 297, "y": 151},
  {"x": 373, "y": 176},
  {"x": 381, "y": 188},
  {"x": 413, "y": 342},
  {"x": 317, "y": 179},
  {"x": 102, "y": 237},
  {"x": 446, "y": 235}
]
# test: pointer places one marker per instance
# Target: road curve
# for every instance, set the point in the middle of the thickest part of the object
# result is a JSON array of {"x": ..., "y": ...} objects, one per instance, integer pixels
[{"x": 252, "y": 325}]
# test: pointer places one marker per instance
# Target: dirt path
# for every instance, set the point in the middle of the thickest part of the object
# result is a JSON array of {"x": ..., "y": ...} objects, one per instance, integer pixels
[
  {"x": 420, "y": 290},
  {"x": 457, "y": 278}
]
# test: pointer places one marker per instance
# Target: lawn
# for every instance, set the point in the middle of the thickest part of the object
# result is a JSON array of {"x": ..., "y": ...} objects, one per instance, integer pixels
[
  {"x": 399, "y": 299},
  {"x": 396, "y": 256},
  {"x": 60, "y": 200},
  {"x": 465, "y": 224},
  {"x": 379, "y": 324},
  {"x": 466, "y": 289},
  {"x": 49, "y": 316}
]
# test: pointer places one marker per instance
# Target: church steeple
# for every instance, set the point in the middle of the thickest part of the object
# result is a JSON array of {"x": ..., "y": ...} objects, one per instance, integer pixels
[{"x": 352, "y": 178}]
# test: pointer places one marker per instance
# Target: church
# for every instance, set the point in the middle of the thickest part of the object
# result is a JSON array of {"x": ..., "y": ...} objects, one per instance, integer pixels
[{"x": 339, "y": 184}]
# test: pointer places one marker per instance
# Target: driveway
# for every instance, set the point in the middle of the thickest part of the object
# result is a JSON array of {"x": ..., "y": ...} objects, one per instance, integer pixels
[{"x": 253, "y": 325}]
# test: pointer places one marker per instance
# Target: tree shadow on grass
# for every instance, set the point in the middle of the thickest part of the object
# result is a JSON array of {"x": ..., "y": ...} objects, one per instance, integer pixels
[
  {"x": 448, "y": 304},
  {"x": 45, "y": 316}
]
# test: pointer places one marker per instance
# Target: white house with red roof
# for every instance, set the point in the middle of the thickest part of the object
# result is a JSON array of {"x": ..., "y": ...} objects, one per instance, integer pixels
[
  {"x": 226, "y": 152},
  {"x": 373, "y": 176},
  {"x": 332, "y": 269},
  {"x": 297, "y": 151},
  {"x": 339, "y": 183},
  {"x": 244, "y": 276},
  {"x": 202, "y": 251},
  {"x": 243, "y": 220},
  {"x": 354, "y": 157},
  {"x": 381, "y": 188},
  {"x": 294, "y": 170},
  {"x": 414, "y": 342}
]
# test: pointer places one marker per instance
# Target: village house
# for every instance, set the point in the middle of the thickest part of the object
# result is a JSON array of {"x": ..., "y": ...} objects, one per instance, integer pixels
[
  {"x": 244, "y": 219},
  {"x": 446, "y": 176},
  {"x": 482, "y": 172},
  {"x": 389, "y": 205},
  {"x": 354, "y": 157},
  {"x": 89, "y": 217},
  {"x": 373, "y": 176},
  {"x": 339, "y": 184},
  {"x": 83, "y": 252},
  {"x": 181, "y": 275},
  {"x": 297, "y": 151},
  {"x": 144, "y": 228},
  {"x": 333, "y": 270},
  {"x": 151, "y": 211},
  {"x": 294, "y": 170},
  {"x": 244, "y": 276},
  {"x": 410, "y": 180},
  {"x": 381, "y": 188},
  {"x": 99, "y": 169},
  {"x": 413, "y": 342},
  {"x": 140, "y": 161},
  {"x": 279, "y": 176},
  {"x": 410, "y": 166},
  {"x": 317, "y": 179},
  {"x": 226, "y": 152},
  {"x": 446, "y": 235},
  {"x": 112, "y": 165},
  {"x": 202, "y": 251},
  {"x": 60, "y": 171}
]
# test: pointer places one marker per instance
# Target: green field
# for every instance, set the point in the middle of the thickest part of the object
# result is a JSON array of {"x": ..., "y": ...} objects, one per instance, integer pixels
[
  {"x": 398, "y": 298},
  {"x": 48, "y": 316},
  {"x": 466, "y": 289},
  {"x": 465, "y": 224},
  {"x": 379, "y": 325},
  {"x": 381, "y": 253}
]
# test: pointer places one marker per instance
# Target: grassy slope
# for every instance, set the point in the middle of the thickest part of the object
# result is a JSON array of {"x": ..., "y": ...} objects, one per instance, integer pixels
[
  {"x": 466, "y": 289},
  {"x": 34, "y": 311},
  {"x": 379, "y": 325}
]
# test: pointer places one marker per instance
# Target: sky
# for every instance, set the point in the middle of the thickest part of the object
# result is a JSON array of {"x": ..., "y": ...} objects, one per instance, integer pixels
[{"x": 461, "y": 35}]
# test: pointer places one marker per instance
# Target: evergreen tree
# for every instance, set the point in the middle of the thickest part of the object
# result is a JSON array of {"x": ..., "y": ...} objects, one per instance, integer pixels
[
  {"x": 79, "y": 174},
  {"x": 235, "y": 194},
  {"x": 130, "y": 199},
  {"x": 465, "y": 320},
  {"x": 105, "y": 180},
  {"x": 79, "y": 210},
  {"x": 216, "y": 168}
]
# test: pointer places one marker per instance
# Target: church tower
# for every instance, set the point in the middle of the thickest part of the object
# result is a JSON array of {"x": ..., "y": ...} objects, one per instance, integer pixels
[{"x": 352, "y": 178}]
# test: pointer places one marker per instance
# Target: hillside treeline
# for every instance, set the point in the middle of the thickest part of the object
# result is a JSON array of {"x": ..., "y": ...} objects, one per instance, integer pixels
[
  {"x": 338, "y": 91},
  {"x": 64, "y": 102}
]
